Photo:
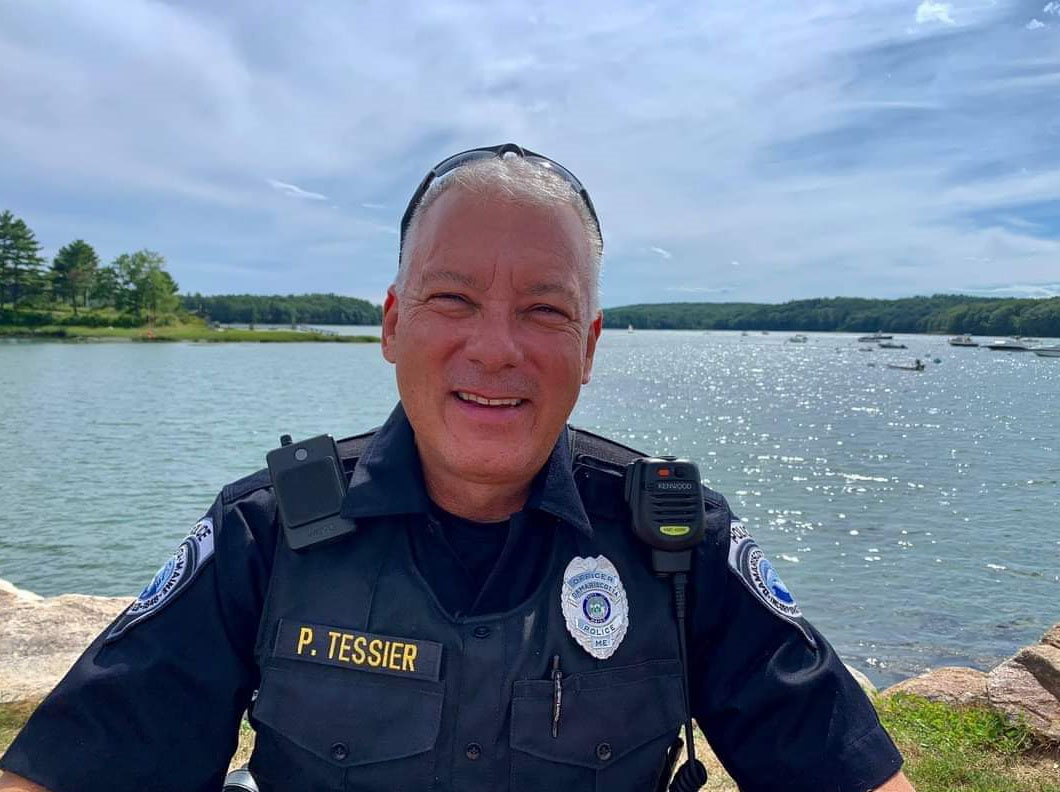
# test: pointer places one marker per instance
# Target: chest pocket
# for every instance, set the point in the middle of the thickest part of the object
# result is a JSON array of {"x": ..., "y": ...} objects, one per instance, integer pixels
[
  {"x": 332, "y": 729},
  {"x": 614, "y": 728}
]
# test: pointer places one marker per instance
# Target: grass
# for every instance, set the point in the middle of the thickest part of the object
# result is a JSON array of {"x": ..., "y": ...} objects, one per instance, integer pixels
[
  {"x": 177, "y": 332},
  {"x": 947, "y": 749}
]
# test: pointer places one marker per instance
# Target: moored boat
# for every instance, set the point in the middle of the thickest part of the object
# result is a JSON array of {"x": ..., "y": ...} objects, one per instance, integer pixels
[
  {"x": 1008, "y": 345},
  {"x": 1047, "y": 351},
  {"x": 917, "y": 366},
  {"x": 869, "y": 339},
  {"x": 962, "y": 341},
  {"x": 891, "y": 345},
  {"x": 798, "y": 338}
]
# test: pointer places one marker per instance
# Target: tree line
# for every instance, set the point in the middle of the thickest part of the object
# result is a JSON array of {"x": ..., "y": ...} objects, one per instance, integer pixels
[
  {"x": 135, "y": 284},
  {"x": 941, "y": 313},
  {"x": 284, "y": 309}
]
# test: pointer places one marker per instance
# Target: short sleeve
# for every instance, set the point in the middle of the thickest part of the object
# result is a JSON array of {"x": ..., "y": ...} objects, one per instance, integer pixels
[
  {"x": 156, "y": 699},
  {"x": 770, "y": 693}
]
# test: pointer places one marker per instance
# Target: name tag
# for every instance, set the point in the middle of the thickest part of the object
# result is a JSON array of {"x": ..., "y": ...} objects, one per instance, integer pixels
[{"x": 379, "y": 654}]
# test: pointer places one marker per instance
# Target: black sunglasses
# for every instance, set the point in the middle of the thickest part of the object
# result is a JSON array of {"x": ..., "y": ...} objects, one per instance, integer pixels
[{"x": 450, "y": 164}]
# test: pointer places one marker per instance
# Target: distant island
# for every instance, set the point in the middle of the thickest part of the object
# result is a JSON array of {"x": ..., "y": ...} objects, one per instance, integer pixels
[
  {"x": 950, "y": 314},
  {"x": 135, "y": 298}
]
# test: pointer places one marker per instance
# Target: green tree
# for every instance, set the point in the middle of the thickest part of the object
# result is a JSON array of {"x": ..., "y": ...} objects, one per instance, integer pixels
[
  {"x": 73, "y": 271},
  {"x": 21, "y": 263},
  {"x": 158, "y": 292},
  {"x": 105, "y": 287}
]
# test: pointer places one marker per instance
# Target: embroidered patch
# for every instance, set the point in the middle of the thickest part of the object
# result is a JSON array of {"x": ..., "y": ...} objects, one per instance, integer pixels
[
  {"x": 344, "y": 648},
  {"x": 170, "y": 580},
  {"x": 594, "y": 605},
  {"x": 750, "y": 564}
]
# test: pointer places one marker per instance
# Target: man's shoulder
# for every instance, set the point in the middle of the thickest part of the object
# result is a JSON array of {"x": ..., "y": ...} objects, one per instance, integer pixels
[
  {"x": 350, "y": 450},
  {"x": 610, "y": 457}
]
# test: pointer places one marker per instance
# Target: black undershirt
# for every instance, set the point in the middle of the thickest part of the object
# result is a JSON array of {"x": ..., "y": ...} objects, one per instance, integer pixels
[{"x": 477, "y": 568}]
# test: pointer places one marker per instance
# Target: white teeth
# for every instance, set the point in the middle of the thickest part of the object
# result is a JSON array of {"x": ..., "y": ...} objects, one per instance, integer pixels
[{"x": 471, "y": 397}]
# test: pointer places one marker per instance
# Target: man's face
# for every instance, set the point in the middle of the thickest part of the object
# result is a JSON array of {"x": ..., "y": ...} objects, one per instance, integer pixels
[{"x": 494, "y": 309}]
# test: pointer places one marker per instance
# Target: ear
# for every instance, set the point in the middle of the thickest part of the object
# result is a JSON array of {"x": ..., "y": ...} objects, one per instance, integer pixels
[
  {"x": 390, "y": 320},
  {"x": 590, "y": 346}
]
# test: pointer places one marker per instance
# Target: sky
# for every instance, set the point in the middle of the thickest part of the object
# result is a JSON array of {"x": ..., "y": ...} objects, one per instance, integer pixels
[{"x": 745, "y": 151}]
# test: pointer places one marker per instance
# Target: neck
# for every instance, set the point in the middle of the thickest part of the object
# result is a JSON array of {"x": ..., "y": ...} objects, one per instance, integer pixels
[{"x": 481, "y": 502}]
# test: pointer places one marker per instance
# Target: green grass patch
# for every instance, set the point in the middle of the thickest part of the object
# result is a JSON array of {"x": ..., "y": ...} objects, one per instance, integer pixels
[
  {"x": 178, "y": 332},
  {"x": 966, "y": 749},
  {"x": 12, "y": 718}
]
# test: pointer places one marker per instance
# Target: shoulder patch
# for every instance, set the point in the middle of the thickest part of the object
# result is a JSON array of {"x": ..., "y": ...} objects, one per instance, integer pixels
[
  {"x": 174, "y": 576},
  {"x": 756, "y": 572}
]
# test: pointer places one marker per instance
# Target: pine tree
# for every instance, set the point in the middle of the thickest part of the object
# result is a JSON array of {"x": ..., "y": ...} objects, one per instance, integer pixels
[
  {"x": 74, "y": 270},
  {"x": 21, "y": 264}
]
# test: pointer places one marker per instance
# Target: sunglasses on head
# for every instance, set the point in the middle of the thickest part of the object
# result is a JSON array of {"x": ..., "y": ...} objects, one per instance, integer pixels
[{"x": 450, "y": 164}]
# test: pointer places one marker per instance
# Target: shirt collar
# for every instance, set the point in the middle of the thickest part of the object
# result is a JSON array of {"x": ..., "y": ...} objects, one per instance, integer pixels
[{"x": 388, "y": 479}]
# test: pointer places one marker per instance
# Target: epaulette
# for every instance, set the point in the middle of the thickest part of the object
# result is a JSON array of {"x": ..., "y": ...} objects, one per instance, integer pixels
[
  {"x": 350, "y": 450},
  {"x": 600, "y": 467}
]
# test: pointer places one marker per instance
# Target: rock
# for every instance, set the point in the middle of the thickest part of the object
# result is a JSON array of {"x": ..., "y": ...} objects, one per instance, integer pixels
[
  {"x": 1052, "y": 636},
  {"x": 950, "y": 684},
  {"x": 11, "y": 594},
  {"x": 40, "y": 637},
  {"x": 862, "y": 680},
  {"x": 1028, "y": 687}
]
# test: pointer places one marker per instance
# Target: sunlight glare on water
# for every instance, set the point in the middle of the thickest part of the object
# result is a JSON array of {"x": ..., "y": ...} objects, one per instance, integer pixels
[{"x": 914, "y": 516}]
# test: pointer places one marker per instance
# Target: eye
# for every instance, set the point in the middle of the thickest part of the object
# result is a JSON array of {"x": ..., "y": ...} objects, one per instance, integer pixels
[
  {"x": 450, "y": 297},
  {"x": 549, "y": 311}
]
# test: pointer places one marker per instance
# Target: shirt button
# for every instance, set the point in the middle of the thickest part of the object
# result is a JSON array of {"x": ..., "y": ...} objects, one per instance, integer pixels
[
  {"x": 339, "y": 751},
  {"x": 482, "y": 631},
  {"x": 473, "y": 751},
  {"x": 603, "y": 751}
]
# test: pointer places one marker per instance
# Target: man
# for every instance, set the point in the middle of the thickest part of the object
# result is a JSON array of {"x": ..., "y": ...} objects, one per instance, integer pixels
[{"x": 492, "y": 623}]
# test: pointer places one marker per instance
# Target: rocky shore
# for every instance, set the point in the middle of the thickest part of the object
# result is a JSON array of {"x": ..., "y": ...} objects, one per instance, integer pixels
[{"x": 41, "y": 637}]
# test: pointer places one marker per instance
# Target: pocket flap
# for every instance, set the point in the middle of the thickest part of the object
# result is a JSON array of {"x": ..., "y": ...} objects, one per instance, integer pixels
[
  {"x": 623, "y": 708},
  {"x": 346, "y": 719}
]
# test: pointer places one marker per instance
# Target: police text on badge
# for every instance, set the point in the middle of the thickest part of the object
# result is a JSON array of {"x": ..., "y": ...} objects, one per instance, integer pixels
[{"x": 594, "y": 604}]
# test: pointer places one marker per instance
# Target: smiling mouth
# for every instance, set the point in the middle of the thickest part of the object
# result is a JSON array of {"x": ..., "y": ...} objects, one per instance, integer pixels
[{"x": 474, "y": 398}]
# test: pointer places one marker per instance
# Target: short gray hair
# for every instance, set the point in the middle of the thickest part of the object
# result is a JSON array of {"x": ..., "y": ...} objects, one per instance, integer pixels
[{"x": 521, "y": 181}]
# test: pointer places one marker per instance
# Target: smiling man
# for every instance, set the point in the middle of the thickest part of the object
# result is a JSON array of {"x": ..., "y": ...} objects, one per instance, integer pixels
[{"x": 493, "y": 623}]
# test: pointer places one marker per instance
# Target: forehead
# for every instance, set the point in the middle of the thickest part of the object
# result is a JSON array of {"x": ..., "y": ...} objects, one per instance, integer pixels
[{"x": 474, "y": 234}]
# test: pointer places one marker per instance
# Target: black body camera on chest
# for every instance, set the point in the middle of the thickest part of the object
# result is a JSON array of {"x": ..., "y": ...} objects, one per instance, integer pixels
[{"x": 309, "y": 484}]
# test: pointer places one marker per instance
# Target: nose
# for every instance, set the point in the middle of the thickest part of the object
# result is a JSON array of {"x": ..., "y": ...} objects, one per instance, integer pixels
[{"x": 493, "y": 342}]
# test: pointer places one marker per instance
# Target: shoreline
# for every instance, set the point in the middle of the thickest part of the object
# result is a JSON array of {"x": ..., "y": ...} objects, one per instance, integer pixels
[
  {"x": 176, "y": 333},
  {"x": 965, "y": 726}
]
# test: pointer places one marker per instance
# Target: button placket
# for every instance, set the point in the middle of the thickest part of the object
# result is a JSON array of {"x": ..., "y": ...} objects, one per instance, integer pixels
[{"x": 476, "y": 726}]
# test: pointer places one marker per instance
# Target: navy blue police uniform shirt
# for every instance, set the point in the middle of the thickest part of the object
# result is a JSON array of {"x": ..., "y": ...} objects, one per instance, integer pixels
[{"x": 156, "y": 700}]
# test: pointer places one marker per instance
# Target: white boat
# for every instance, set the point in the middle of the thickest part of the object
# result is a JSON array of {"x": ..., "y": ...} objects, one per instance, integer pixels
[
  {"x": 871, "y": 339},
  {"x": 1008, "y": 345},
  {"x": 629, "y": 329},
  {"x": 1047, "y": 351},
  {"x": 798, "y": 338},
  {"x": 962, "y": 341}
]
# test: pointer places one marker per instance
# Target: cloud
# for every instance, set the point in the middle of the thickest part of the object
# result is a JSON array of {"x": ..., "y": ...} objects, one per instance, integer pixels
[
  {"x": 930, "y": 11},
  {"x": 666, "y": 254},
  {"x": 296, "y": 192},
  {"x": 1020, "y": 290},
  {"x": 826, "y": 149},
  {"x": 1034, "y": 24}
]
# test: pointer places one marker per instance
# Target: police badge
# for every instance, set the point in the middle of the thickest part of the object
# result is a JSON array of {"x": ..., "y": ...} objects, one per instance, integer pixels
[{"x": 594, "y": 605}]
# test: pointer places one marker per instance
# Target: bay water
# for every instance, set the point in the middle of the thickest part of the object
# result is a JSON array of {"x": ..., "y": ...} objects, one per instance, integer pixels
[{"x": 915, "y": 516}]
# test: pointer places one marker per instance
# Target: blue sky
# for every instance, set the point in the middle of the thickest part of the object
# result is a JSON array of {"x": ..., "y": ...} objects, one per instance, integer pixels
[{"x": 743, "y": 151}]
